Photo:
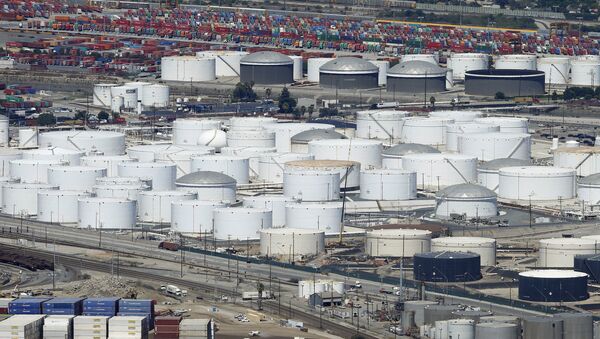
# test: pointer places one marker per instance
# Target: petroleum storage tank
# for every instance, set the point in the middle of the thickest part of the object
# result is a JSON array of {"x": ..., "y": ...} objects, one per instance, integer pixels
[
  {"x": 267, "y": 68},
  {"x": 32, "y": 171},
  {"x": 453, "y": 131},
  {"x": 311, "y": 185},
  {"x": 431, "y": 58},
  {"x": 183, "y": 159},
  {"x": 326, "y": 217},
  {"x": 227, "y": 63},
  {"x": 556, "y": 68},
  {"x": 384, "y": 66},
  {"x": 538, "y": 327},
  {"x": 291, "y": 242},
  {"x": 145, "y": 153},
  {"x": 231, "y": 165},
  {"x": 240, "y": 223},
  {"x": 536, "y": 183},
  {"x": 397, "y": 243},
  {"x": 250, "y": 138},
  {"x": 516, "y": 61},
  {"x": 495, "y": 145},
  {"x": 584, "y": 159},
  {"x": 187, "y": 131},
  {"x": 128, "y": 93},
  {"x": 552, "y": 286},
  {"x": 19, "y": 199},
  {"x": 139, "y": 86},
  {"x": 194, "y": 217},
  {"x": 109, "y": 162},
  {"x": 117, "y": 104},
  {"x": 272, "y": 165},
  {"x": 577, "y": 325},
  {"x": 213, "y": 138},
  {"x": 28, "y": 138},
  {"x": 484, "y": 247},
  {"x": 299, "y": 142},
  {"x": 250, "y": 123},
  {"x": 437, "y": 170},
  {"x": 447, "y": 266},
  {"x": 585, "y": 72},
  {"x": 155, "y": 207},
  {"x": 348, "y": 73},
  {"x": 313, "y": 66},
  {"x": 67, "y": 156},
  {"x": 107, "y": 142},
  {"x": 416, "y": 77},
  {"x": 463, "y": 62},
  {"x": 468, "y": 200},
  {"x": 510, "y": 82},
  {"x": 560, "y": 252},
  {"x": 507, "y": 124},
  {"x": 4, "y": 131},
  {"x": 4, "y": 181},
  {"x": 298, "y": 67},
  {"x": 124, "y": 191},
  {"x": 349, "y": 170},
  {"x": 101, "y": 94},
  {"x": 458, "y": 116},
  {"x": 285, "y": 131},
  {"x": 115, "y": 180},
  {"x": 274, "y": 203},
  {"x": 106, "y": 213},
  {"x": 392, "y": 157},
  {"x": 588, "y": 189},
  {"x": 418, "y": 308},
  {"x": 367, "y": 152},
  {"x": 188, "y": 68},
  {"x": 156, "y": 96},
  {"x": 388, "y": 184},
  {"x": 252, "y": 153},
  {"x": 6, "y": 156},
  {"x": 58, "y": 206},
  {"x": 426, "y": 131},
  {"x": 76, "y": 178},
  {"x": 487, "y": 172},
  {"x": 473, "y": 314},
  {"x": 211, "y": 186},
  {"x": 496, "y": 330},
  {"x": 435, "y": 313},
  {"x": 162, "y": 174},
  {"x": 461, "y": 328},
  {"x": 382, "y": 125}
]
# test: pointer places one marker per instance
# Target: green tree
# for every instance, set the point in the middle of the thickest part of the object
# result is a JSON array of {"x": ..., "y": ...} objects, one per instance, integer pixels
[
  {"x": 243, "y": 92},
  {"x": 268, "y": 93},
  {"x": 103, "y": 115},
  {"x": 46, "y": 119},
  {"x": 286, "y": 102},
  {"x": 80, "y": 115},
  {"x": 500, "y": 96},
  {"x": 311, "y": 110},
  {"x": 260, "y": 288},
  {"x": 302, "y": 110},
  {"x": 432, "y": 101},
  {"x": 554, "y": 96}
]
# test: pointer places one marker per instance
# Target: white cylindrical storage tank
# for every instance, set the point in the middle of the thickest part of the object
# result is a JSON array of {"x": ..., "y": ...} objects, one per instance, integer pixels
[
  {"x": 313, "y": 68},
  {"x": 516, "y": 61},
  {"x": 588, "y": 189},
  {"x": 584, "y": 159},
  {"x": 306, "y": 288},
  {"x": 384, "y": 66},
  {"x": 102, "y": 94},
  {"x": 299, "y": 142},
  {"x": 487, "y": 172},
  {"x": 392, "y": 157},
  {"x": 4, "y": 181},
  {"x": 437, "y": 170},
  {"x": 431, "y": 58},
  {"x": 32, "y": 171},
  {"x": 272, "y": 165},
  {"x": 188, "y": 68},
  {"x": 495, "y": 145},
  {"x": 106, "y": 142},
  {"x": 146, "y": 153},
  {"x": 156, "y": 95},
  {"x": 155, "y": 207},
  {"x": 496, "y": 330},
  {"x": 298, "y": 67},
  {"x": 162, "y": 174},
  {"x": 252, "y": 153},
  {"x": 240, "y": 223},
  {"x": 182, "y": 158},
  {"x": 250, "y": 123},
  {"x": 536, "y": 183},
  {"x": 67, "y": 156},
  {"x": 115, "y": 180},
  {"x": 469, "y": 200},
  {"x": 187, "y": 131},
  {"x": 454, "y": 130},
  {"x": 349, "y": 170},
  {"x": 366, "y": 152},
  {"x": 75, "y": 178},
  {"x": 21, "y": 199},
  {"x": 555, "y": 68},
  {"x": 585, "y": 72},
  {"x": 397, "y": 243},
  {"x": 250, "y": 138},
  {"x": 463, "y": 62},
  {"x": 388, "y": 184},
  {"x": 326, "y": 217},
  {"x": 457, "y": 116},
  {"x": 227, "y": 63},
  {"x": 106, "y": 213},
  {"x": 109, "y": 162},
  {"x": 461, "y": 328},
  {"x": 194, "y": 217},
  {"x": 123, "y": 191},
  {"x": 311, "y": 185},
  {"x": 58, "y": 206},
  {"x": 507, "y": 124},
  {"x": 213, "y": 138},
  {"x": 485, "y": 247},
  {"x": 28, "y": 138},
  {"x": 561, "y": 252},
  {"x": 291, "y": 242},
  {"x": 382, "y": 125},
  {"x": 128, "y": 93},
  {"x": 231, "y": 165},
  {"x": 285, "y": 131},
  {"x": 6, "y": 156},
  {"x": 211, "y": 186},
  {"x": 117, "y": 104},
  {"x": 4, "y": 131},
  {"x": 139, "y": 86},
  {"x": 426, "y": 131},
  {"x": 273, "y": 203}
]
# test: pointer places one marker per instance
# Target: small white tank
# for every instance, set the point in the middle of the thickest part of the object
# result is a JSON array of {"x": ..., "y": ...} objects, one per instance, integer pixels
[
  {"x": 231, "y": 165},
  {"x": 272, "y": 165},
  {"x": 240, "y": 223},
  {"x": 461, "y": 328},
  {"x": 162, "y": 174},
  {"x": 109, "y": 162},
  {"x": 453, "y": 131},
  {"x": 187, "y": 131},
  {"x": 380, "y": 124},
  {"x": 58, "y": 206},
  {"x": 250, "y": 138},
  {"x": 32, "y": 171},
  {"x": 194, "y": 217},
  {"x": 438, "y": 170},
  {"x": 75, "y": 178},
  {"x": 106, "y": 213},
  {"x": 208, "y": 185},
  {"x": 28, "y": 138},
  {"x": 468, "y": 200},
  {"x": 561, "y": 252},
  {"x": 21, "y": 198},
  {"x": 349, "y": 170},
  {"x": 182, "y": 159},
  {"x": 6, "y": 156},
  {"x": 274, "y": 203},
  {"x": 495, "y": 145},
  {"x": 155, "y": 207},
  {"x": 70, "y": 157},
  {"x": 250, "y": 123},
  {"x": 392, "y": 157},
  {"x": 156, "y": 95},
  {"x": 123, "y": 191},
  {"x": 507, "y": 124},
  {"x": 388, "y": 184},
  {"x": 285, "y": 131},
  {"x": 213, "y": 138},
  {"x": 536, "y": 183},
  {"x": 101, "y": 94},
  {"x": 298, "y": 65},
  {"x": 426, "y": 131},
  {"x": 397, "y": 243},
  {"x": 291, "y": 242},
  {"x": 485, "y": 247},
  {"x": 128, "y": 93},
  {"x": 366, "y": 152},
  {"x": 459, "y": 117},
  {"x": 4, "y": 181},
  {"x": 311, "y": 185},
  {"x": 320, "y": 216}
]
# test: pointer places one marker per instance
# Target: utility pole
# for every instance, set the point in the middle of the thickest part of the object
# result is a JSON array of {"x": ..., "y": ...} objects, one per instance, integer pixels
[{"x": 54, "y": 266}]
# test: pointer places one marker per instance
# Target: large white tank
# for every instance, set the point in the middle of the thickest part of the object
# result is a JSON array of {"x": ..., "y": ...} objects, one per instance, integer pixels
[
  {"x": 6, "y": 156},
  {"x": 487, "y": 173},
  {"x": 298, "y": 67},
  {"x": 32, "y": 171},
  {"x": 227, "y": 63},
  {"x": 300, "y": 141},
  {"x": 461, "y": 328},
  {"x": 58, "y": 206},
  {"x": 536, "y": 183},
  {"x": 507, "y": 124},
  {"x": 384, "y": 66},
  {"x": 250, "y": 138},
  {"x": 4, "y": 181},
  {"x": 252, "y": 153},
  {"x": 21, "y": 199},
  {"x": 106, "y": 213},
  {"x": 397, "y": 243},
  {"x": 495, "y": 145},
  {"x": 366, "y": 152},
  {"x": 561, "y": 252},
  {"x": 456, "y": 129},
  {"x": 437, "y": 170},
  {"x": 69, "y": 157},
  {"x": 349, "y": 170},
  {"x": 313, "y": 66},
  {"x": 392, "y": 157},
  {"x": 146, "y": 153},
  {"x": 101, "y": 94},
  {"x": 291, "y": 242},
  {"x": 250, "y": 123},
  {"x": 485, "y": 247},
  {"x": 272, "y": 165},
  {"x": 231, "y": 165},
  {"x": 388, "y": 184},
  {"x": 123, "y": 191},
  {"x": 311, "y": 185},
  {"x": 28, "y": 138},
  {"x": 469, "y": 200},
  {"x": 163, "y": 174},
  {"x": 382, "y": 125},
  {"x": 555, "y": 68},
  {"x": 585, "y": 72},
  {"x": 320, "y": 216},
  {"x": 75, "y": 178},
  {"x": 274, "y": 203},
  {"x": 431, "y": 58},
  {"x": 188, "y": 68},
  {"x": 457, "y": 116},
  {"x": 285, "y": 131},
  {"x": 128, "y": 93},
  {"x": 156, "y": 95},
  {"x": 194, "y": 217},
  {"x": 240, "y": 223},
  {"x": 106, "y": 142},
  {"x": 155, "y": 207},
  {"x": 109, "y": 162},
  {"x": 588, "y": 189},
  {"x": 426, "y": 131},
  {"x": 516, "y": 61},
  {"x": 463, "y": 62},
  {"x": 212, "y": 186},
  {"x": 187, "y": 131},
  {"x": 585, "y": 160}
]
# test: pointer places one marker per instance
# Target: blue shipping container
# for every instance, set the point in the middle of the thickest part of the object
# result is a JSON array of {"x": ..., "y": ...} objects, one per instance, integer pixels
[
  {"x": 136, "y": 302},
  {"x": 101, "y": 302},
  {"x": 71, "y": 306},
  {"x": 26, "y": 305}
]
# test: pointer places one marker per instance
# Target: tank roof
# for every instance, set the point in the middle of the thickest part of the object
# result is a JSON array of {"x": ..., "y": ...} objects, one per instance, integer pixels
[
  {"x": 403, "y": 149},
  {"x": 316, "y": 134},
  {"x": 205, "y": 177},
  {"x": 465, "y": 191},
  {"x": 267, "y": 57},
  {"x": 552, "y": 274},
  {"x": 348, "y": 65},
  {"x": 417, "y": 67},
  {"x": 592, "y": 179},
  {"x": 497, "y": 164},
  {"x": 447, "y": 255}
]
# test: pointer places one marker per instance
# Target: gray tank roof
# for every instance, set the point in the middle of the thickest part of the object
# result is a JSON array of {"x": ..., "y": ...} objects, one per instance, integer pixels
[
  {"x": 266, "y": 57},
  {"x": 497, "y": 164},
  {"x": 316, "y": 134},
  {"x": 205, "y": 178},
  {"x": 416, "y": 68},
  {"x": 592, "y": 179},
  {"x": 349, "y": 65},
  {"x": 465, "y": 191},
  {"x": 403, "y": 149}
]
